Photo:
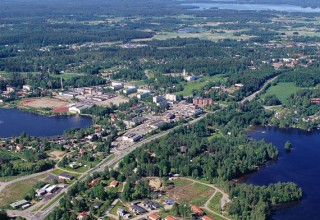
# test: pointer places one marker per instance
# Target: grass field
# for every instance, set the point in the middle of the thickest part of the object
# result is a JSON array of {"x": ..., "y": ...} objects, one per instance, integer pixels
[
  {"x": 214, "y": 204},
  {"x": 67, "y": 76},
  {"x": 189, "y": 86},
  {"x": 16, "y": 191},
  {"x": 187, "y": 192},
  {"x": 282, "y": 90},
  {"x": 211, "y": 214}
]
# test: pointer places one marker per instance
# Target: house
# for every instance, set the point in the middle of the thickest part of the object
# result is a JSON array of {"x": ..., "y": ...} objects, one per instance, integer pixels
[
  {"x": 27, "y": 88},
  {"x": 114, "y": 183},
  {"x": 154, "y": 216},
  {"x": 97, "y": 205},
  {"x": 74, "y": 165},
  {"x": 65, "y": 176},
  {"x": 82, "y": 215},
  {"x": 121, "y": 212},
  {"x": 199, "y": 101},
  {"x": 169, "y": 217},
  {"x": 157, "y": 99},
  {"x": 130, "y": 90},
  {"x": 138, "y": 209},
  {"x": 19, "y": 204},
  {"x": 19, "y": 147},
  {"x": 205, "y": 217},
  {"x": 197, "y": 210},
  {"x": 169, "y": 202},
  {"x": 151, "y": 205}
]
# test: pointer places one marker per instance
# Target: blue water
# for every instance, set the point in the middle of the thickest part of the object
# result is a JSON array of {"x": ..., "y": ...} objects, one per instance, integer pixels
[
  {"x": 13, "y": 122},
  {"x": 253, "y": 7},
  {"x": 301, "y": 165}
]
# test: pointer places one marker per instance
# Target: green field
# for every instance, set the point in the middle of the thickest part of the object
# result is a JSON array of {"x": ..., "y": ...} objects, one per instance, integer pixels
[
  {"x": 282, "y": 90},
  {"x": 189, "y": 86},
  {"x": 215, "y": 202},
  {"x": 67, "y": 76}
]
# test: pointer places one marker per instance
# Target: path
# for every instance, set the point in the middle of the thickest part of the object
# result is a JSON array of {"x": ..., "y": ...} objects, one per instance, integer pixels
[
  {"x": 225, "y": 196},
  {"x": 252, "y": 96}
]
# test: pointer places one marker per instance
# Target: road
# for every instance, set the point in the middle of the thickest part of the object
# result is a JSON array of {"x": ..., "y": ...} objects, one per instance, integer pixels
[
  {"x": 39, "y": 215},
  {"x": 252, "y": 96}
]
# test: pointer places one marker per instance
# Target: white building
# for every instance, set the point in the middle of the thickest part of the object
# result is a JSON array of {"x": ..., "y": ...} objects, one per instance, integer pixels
[
  {"x": 27, "y": 87},
  {"x": 171, "y": 97},
  {"x": 77, "y": 109}
]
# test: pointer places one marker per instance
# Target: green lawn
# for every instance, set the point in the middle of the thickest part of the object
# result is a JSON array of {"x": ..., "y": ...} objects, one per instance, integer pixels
[
  {"x": 214, "y": 204},
  {"x": 113, "y": 211},
  {"x": 67, "y": 76},
  {"x": 282, "y": 90},
  {"x": 189, "y": 86},
  {"x": 211, "y": 214}
]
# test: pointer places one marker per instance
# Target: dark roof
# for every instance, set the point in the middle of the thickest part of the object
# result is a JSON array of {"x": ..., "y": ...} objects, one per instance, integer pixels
[
  {"x": 66, "y": 175},
  {"x": 138, "y": 208}
]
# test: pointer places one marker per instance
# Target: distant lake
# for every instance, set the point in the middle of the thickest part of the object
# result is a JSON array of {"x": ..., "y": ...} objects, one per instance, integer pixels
[
  {"x": 301, "y": 165},
  {"x": 253, "y": 7},
  {"x": 13, "y": 122}
]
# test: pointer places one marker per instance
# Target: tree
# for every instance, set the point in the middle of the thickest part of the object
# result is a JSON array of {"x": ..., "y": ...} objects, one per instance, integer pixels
[{"x": 287, "y": 146}]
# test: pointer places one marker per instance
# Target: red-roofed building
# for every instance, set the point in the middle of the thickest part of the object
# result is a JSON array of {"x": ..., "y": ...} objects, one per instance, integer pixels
[
  {"x": 114, "y": 183},
  {"x": 154, "y": 216},
  {"x": 197, "y": 210},
  {"x": 169, "y": 217},
  {"x": 205, "y": 217},
  {"x": 82, "y": 215}
]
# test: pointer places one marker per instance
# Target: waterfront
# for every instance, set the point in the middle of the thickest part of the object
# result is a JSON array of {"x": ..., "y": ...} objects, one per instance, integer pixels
[
  {"x": 13, "y": 122},
  {"x": 300, "y": 166}
]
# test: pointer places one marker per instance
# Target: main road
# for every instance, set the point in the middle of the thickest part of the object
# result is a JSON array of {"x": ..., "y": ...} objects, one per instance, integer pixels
[{"x": 107, "y": 162}]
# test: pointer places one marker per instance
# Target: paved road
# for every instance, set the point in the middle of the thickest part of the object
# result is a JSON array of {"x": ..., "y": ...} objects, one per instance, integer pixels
[
  {"x": 252, "y": 96},
  {"x": 39, "y": 215}
]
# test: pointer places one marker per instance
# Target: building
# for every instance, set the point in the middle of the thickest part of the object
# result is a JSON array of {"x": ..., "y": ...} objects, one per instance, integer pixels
[
  {"x": 43, "y": 190},
  {"x": 154, "y": 216},
  {"x": 171, "y": 97},
  {"x": 197, "y": 210},
  {"x": 74, "y": 165},
  {"x": 129, "y": 90},
  {"x": 19, "y": 204},
  {"x": 114, "y": 183},
  {"x": 199, "y": 101},
  {"x": 10, "y": 88},
  {"x": 51, "y": 189},
  {"x": 315, "y": 100},
  {"x": 238, "y": 85},
  {"x": 97, "y": 205},
  {"x": 205, "y": 217},
  {"x": 132, "y": 137},
  {"x": 27, "y": 88},
  {"x": 190, "y": 78},
  {"x": 65, "y": 176},
  {"x": 134, "y": 122},
  {"x": 77, "y": 109},
  {"x": 121, "y": 212},
  {"x": 169, "y": 217},
  {"x": 151, "y": 205},
  {"x": 143, "y": 95},
  {"x": 116, "y": 86},
  {"x": 138, "y": 209},
  {"x": 144, "y": 90},
  {"x": 158, "y": 99}
]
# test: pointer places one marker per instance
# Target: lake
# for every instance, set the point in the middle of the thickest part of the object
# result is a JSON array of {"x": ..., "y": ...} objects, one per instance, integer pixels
[
  {"x": 253, "y": 7},
  {"x": 13, "y": 122},
  {"x": 301, "y": 166}
]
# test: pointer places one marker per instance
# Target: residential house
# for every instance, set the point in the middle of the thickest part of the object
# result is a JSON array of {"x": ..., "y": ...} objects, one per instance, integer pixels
[
  {"x": 197, "y": 210},
  {"x": 154, "y": 216},
  {"x": 138, "y": 209},
  {"x": 114, "y": 183}
]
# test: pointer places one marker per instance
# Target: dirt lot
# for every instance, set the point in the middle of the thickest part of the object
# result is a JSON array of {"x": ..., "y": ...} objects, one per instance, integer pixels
[
  {"x": 57, "y": 154},
  {"x": 57, "y": 106}
]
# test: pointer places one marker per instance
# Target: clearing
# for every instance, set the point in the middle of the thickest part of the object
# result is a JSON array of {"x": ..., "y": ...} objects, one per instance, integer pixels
[
  {"x": 282, "y": 90},
  {"x": 56, "y": 105},
  {"x": 190, "y": 192}
]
